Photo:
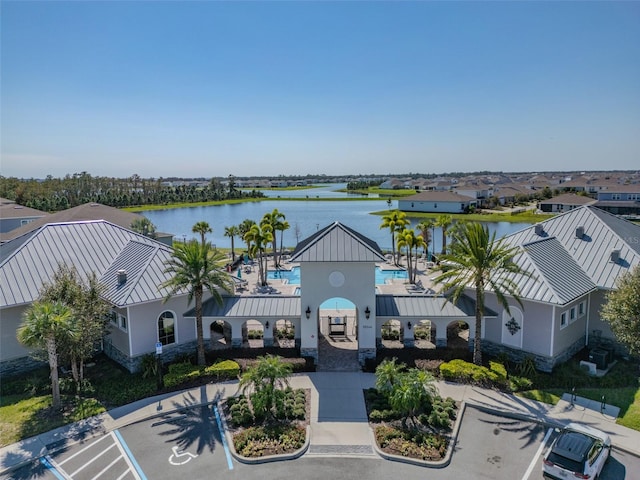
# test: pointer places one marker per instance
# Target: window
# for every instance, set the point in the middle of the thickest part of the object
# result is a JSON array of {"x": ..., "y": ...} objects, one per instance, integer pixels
[
  {"x": 166, "y": 328},
  {"x": 563, "y": 320},
  {"x": 581, "y": 309},
  {"x": 123, "y": 322},
  {"x": 113, "y": 317},
  {"x": 615, "y": 196},
  {"x": 572, "y": 314}
]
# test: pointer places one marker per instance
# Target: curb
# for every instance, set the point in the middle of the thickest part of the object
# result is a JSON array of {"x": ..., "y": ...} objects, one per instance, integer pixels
[{"x": 424, "y": 463}]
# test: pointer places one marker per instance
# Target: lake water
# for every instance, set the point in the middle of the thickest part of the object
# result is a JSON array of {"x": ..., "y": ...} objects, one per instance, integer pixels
[{"x": 304, "y": 217}]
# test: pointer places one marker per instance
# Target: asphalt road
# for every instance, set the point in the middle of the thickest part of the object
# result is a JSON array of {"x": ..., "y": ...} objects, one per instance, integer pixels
[{"x": 189, "y": 446}]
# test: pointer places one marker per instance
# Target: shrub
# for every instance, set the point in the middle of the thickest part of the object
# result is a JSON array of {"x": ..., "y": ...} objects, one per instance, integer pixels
[
  {"x": 518, "y": 384},
  {"x": 149, "y": 366},
  {"x": 254, "y": 334},
  {"x": 223, "y": 370},
  {"x": 263, "y": 440},
  {"x": 468, "y": 372}
]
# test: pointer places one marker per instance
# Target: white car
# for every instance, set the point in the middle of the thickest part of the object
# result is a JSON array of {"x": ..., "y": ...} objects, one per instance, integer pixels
[{"x": 579, "y": 451}]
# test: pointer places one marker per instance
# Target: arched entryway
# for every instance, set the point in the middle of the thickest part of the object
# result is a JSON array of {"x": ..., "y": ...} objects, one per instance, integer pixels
[{"x": 337, "y": 335}]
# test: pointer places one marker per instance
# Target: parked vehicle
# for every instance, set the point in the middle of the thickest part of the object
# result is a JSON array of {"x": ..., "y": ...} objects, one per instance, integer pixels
[{"x": 579, "y": 451}]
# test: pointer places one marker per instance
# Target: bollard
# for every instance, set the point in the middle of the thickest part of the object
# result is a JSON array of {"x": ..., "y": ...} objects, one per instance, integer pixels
[
  {"x": 602, "y": 405},
  {"x": 573, "y": 396}
]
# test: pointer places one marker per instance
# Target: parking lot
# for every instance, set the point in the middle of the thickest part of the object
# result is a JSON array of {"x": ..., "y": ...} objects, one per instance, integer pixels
[{"x": 188, "y": 445}]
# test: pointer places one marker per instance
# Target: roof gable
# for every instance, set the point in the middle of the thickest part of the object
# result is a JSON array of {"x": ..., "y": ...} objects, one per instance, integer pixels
[
  {"x": 337, "y": 243},
  {"x": 583, "y": 240}
]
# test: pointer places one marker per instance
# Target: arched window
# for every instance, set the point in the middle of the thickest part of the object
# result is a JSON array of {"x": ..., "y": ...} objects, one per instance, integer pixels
[{"x": 167, "y": 328}]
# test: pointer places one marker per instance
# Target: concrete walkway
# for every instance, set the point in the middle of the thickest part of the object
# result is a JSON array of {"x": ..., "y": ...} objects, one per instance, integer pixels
[{"x": 338, "y": 417}]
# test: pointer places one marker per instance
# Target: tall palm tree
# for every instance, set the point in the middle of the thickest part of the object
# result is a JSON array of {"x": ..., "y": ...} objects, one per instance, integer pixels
[
  {"x": 409, "y": 240},
  {"x": 232, "y": 232},
  {"x": 395, "y": 221},
  {"x": 257, "y": 238},
  {"x": 477, "y": 260},
  {"x": 444, "y": 222},
  {"x": 282, "y": 226},
  {"x": 44, "y": 326},
  {"x": 244, "y": 228},
  {"x": 193, "y": 267},
  {"x": 202, "y": 228},
  {"x": 274, "y": 220},
  {"x": 424, "y": 228}
]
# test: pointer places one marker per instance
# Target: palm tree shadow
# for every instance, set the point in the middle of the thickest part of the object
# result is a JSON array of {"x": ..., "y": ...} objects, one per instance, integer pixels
[
  {"x": 196, "y": 424},
  {"x": 527, "y": 433}
]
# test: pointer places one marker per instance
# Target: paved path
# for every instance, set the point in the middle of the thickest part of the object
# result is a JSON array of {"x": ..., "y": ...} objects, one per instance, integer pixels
[{"x": 338, "y": 417}]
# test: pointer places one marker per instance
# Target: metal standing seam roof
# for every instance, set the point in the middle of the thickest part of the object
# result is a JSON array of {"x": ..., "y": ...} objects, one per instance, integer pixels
[
  {"x": 337, "y": 243},
  {"x": 95, "y": 246},
  {"x": 277, "y": 306},
  {"x": 561, "y": 264},
  {"x": 426, "y": 306}
]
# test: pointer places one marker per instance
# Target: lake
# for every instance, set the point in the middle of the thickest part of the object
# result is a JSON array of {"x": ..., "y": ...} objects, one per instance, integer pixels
[{"x": 304, "y": 217}]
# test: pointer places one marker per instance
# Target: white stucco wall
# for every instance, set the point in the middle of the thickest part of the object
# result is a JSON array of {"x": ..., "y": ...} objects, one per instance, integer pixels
[
  {"x": 143, "y": 324},
  {"x": 536, "y": 321},
  {"x": 350, "y": 280}
]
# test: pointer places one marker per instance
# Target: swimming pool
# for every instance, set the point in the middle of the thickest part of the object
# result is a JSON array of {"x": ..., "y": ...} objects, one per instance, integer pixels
[{"x": 293, "y": 276}]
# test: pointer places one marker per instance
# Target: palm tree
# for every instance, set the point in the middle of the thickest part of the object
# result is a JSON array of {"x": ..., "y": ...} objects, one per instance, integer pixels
[
  {"x": 444, "y": 222},
  {"x": 202, "y": 228},
  {"x": 282, "y": 226},
  {"x": 244, "y": 228},
  {"x": 395, "y": 221},
  {"x": 409, "y": 240},
  {"x": 257, "y": 238},
  {"x": 413, "y": 391},
  {"x": 274, "y": 220},
  {"x": 232, "y": 232},
  {"x": 268, "y": 374},
  {"x": 387, "y": 374},
  {"x": 477, "y": 260},
  {"x": 424, "y": 227},
  {"x": 45, "y": 325},
  {"x": 193, "y": 267}
]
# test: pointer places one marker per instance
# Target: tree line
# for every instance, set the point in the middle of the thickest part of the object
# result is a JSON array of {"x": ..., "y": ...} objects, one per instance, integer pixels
[{"x": 55, "y": 194}]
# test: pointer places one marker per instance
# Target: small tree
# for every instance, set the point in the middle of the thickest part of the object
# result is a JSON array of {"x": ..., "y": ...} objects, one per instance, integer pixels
[
  {"x": 89, "y": 315},
  {"x": 264, "y": 378},
  {"x": 45, "y": 325},
  {"x": 144, "y": 226},
  {"x": 622, "y": 310}
]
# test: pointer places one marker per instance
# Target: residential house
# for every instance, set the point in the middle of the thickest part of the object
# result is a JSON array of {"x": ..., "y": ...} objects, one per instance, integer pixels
[
  {"x": 14, "y": 216},
  {"x": 84, "y": 212},
  {"x": 564, "y": 203},
  {"x": 437, "y": 201},
  {"x": 620, "y": 200}
]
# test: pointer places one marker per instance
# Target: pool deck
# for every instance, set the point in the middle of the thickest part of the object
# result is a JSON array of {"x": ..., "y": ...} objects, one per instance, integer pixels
[{"x": 395, "y": 286}]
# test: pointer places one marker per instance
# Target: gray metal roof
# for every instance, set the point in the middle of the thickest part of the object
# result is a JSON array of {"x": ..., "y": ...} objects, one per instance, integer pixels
[
  {"x": 97, "y": 246},
  {"x": 274, "y": 306},
  {"x": 426, "y": 306},
  {"x": 277, "y": 307},
  {"x": 561, "y": 265},
  {"x": 563, "y": 277},
  {"x": 337, "y": 243}
]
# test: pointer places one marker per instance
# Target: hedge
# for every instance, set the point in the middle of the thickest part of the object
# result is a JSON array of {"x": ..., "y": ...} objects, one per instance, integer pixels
[
  {"x": 185, "y": 372},
  {"x": 459, "y": 370}
]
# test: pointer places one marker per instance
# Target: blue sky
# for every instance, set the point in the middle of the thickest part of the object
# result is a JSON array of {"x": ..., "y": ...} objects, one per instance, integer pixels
[{"x": 257, "y": 88}]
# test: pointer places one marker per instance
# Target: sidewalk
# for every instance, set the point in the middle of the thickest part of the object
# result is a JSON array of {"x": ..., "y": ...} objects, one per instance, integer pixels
[{"x": 338, "y": 417}]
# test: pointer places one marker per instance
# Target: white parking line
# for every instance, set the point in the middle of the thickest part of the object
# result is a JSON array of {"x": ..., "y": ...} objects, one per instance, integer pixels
[{"x": 535, "y": 460}]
